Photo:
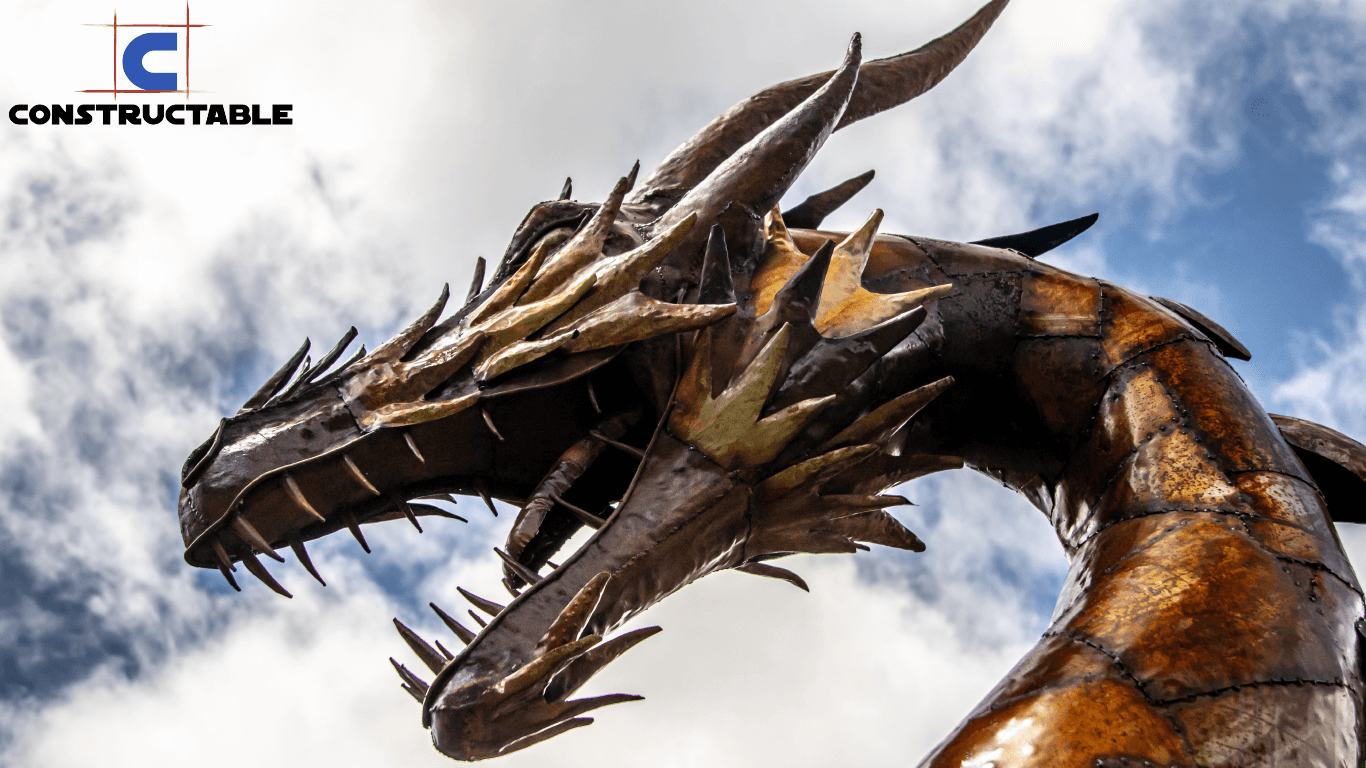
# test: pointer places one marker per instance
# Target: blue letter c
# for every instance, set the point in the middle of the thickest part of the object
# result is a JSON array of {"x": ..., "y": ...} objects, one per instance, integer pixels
[{"x": 132, "y": 61}]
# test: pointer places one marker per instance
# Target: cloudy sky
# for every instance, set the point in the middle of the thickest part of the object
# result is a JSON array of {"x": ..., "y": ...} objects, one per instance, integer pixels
[{"x": 152, "y": 276}]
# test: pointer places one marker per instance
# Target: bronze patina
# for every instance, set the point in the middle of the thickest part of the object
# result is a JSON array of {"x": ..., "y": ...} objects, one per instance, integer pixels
[{"x": 709, "y": 383}]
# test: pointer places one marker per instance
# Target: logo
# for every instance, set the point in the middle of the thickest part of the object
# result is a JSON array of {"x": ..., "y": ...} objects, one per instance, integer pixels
[
  {"x": 159, "y": 74},
  {"x": 136, "y": 50}
]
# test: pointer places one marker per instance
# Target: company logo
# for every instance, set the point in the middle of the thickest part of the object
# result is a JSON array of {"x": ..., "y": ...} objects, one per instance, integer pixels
[
  {"x": 136, "y": 50},
  {"x": 157, "y": 75}
]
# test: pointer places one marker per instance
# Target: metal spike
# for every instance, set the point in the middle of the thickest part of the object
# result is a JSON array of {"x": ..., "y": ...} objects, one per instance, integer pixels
[
  {"x": 419, "y": 698},
  {"x": 458, "y": 629},
  {"x": 489, "y": 421},
  {"x": 477, "y": 284},
  {"x": 774, "y": 572},
  {"x": 292, "y": 488},
  {"x": 292, "y": 388},
  {"x": 253, "y": 538},
  {"x": 717, "y": 286},
  {"x": 631, "y": 449},
  {"x": 228, "y": 575},
  {"x": 222, "y": 554},
  {"x": 332, "y": 355},
  {"x": 429, "y": 655},
  {"x": 581, "y": 669},
  {"x": 342, "y": 368},
  {"x": 427, "y": 510},
  {"x": 397, "y": 347},
  {"x": 525, "y": 573},
  {"x": 507, "y": 584},
  {"x": 408, "y": 513},
  {"x": 574, "y": 616},
  {"x": 812, "y": 211},
  {"x": 408, "y": 677},
  {"x": 446, "y": 497},
  {"x": 487, "y": 606},
  {"x": 803, "y": 291},
  {"x": 358, "y": 475},
  {"x": 587, "y": 518},
  {"x": 548, "y": 733},
  {"x": 189, "y": 476},
  {"x": 593, "y": 397},
  {"x": 444, "y": 651},
  {"x": 1037, "y": 242},
  {"x": 412, "y": 446},
  {"x": 260, "y": 572},
  {"x": 277, "y": 380},
  {"x": 297, "y": 544},
  {"x": 354, "y": 527},
  {"x": 488, "y": 501},
  {"x": 631, "y": 177},
  {"x": 478, "y": 619},
  {"x": 567, "y": 189}
]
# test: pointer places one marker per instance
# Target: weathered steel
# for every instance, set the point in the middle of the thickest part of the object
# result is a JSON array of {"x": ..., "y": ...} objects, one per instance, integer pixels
[{"x": 761, "y": 387}]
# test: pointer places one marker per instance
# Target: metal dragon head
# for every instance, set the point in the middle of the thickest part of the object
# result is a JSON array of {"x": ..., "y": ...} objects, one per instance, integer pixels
[{"x": 669, "y": 368}]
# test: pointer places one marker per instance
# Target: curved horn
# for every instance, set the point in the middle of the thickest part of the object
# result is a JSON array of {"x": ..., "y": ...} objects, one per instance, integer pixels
[
  {"x": 882, "y": 84},
  {"x": 758, "y": 174}
]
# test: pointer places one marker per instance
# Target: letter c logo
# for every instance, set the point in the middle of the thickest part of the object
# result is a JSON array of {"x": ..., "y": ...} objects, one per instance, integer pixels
[{"x": 132, "y": 61}]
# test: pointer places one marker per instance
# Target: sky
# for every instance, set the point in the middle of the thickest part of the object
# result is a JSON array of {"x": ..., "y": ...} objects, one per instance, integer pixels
[{"x": 153, "y": 276}]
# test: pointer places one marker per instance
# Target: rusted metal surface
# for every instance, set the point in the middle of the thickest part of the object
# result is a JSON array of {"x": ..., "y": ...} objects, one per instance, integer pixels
[{"x": 710, "y": 387}]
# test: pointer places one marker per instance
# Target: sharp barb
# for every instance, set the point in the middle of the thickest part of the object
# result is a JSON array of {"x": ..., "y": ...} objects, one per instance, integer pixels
[
  {"x": 424, "y": 651},
  {"x": 292, "y": 388},
  {"x": 488, "y": 501},
  {"x": 419, "y": 698},
  {"x": 567, "y": 189},
  {"x": 408, "y": 513},
  {"x": 581, "y": 669},
  {"x": 332, "y": 355},
  {"x": 227, "y": 574},
  {"x": 250, "y": 535},
  {"x": 774, "y": 572},
  {"x": 222, "y": 553},
  {"x": 717, "y": 285},
  {"x": 397, "y": 347},
  {"x": 478, "y": 619},
  {"x": 188, "y": 477},
  {"x": 477, "y": 284},
  {"x": 523, "y": 572},
  {"x": 354, "y": 527},
  {"x": 456, "y": 628},
  {"x": 507, "y": 584},
  {"x": 412, "y": 446},
  {"x": 342, "y": 368},
  {"x": 574, "y": 616},
  {"x": 593, "y": 397},
  {"x": 408, "y": 677},
  {"x": 260, "y": 572},
  {"x": 277, "y": 381},
  {"x": 631, "y": 449},
  {"x": 1037, "y": 242},
  {"x": 427, "y": 510},
  {"x": 487, "y": 606},
  {"x": 489, "y": 421},
  {"x": 295, "y": 493},
  {"x": 446, "y": 497},
  {"x": 297, "y": 544},
  {"x": 814, "y": 209},
  {"x": 803, "y": 290},
  {"x": 549, "y": 733},
  {"x": 587, "y": 518},
  {"x": 444, "y": 651},
  {"x": 580, "y": 706},
  {"x": 631, "y": 177},
  {"x": 359, "y": 476}
]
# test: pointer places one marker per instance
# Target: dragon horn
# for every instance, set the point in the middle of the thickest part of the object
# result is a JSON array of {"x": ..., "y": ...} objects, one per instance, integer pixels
[
  {"x": 277, "y": 381},
  {"x": 883, "y": 84},
  {"x": 759, "y": 172}
]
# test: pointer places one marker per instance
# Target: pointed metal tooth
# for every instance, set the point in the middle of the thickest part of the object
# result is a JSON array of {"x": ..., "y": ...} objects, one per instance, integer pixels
[
  {"x": 587, "y": 518},
  {"x": 429, "y": 655},
  {"x": 581, "y": 669},
  {"x": 446, "y": 497},
  {"x": 489, "y": 421},
  {"x": 228, "y": 575},
  {"x": 567, "y": 189},
  {"x": 716, "y": 285},
  {"x": 253, "y": 538},
  {"x": 526, "y": 574},
  {"x": 425, "y": 510},
  {"x": 295, "y": 493},
  {"x": 574, "y": 616},
  {"x": 359, "y": 476},
  {"x": 260, "y": 572},
  {"x": 297, "y": 544},
  {"x": 812, "y": 211},
  {"x": 507, "y": 584},
  {"x": 395, "y": 348},
  {"x": 408, "y": 513},
  {"x": 488, "y": 501},
  {"x": 593, "y": 397},
  {"x": 774, "y": 572},
  {"x": 444, "y": 651},
  {"x": 419, "y": 698},
  {"x": 631, "y": 177},
  {"x": 477, "y": 284},
  {"x": 487, "y": 606},
  {"x": 478, "y": 619},
  {"x": 553, "y": 565},
  {"x": 222, "y": 554},
  {"x": 354, "y": 527},
  {"x": 412, "y": 446},
  {"x": 408, "y": 677},
  {"x": 458, "y": 629},
  {"x": 631, "y": 449},
  {"x": 548, "y": 733}
]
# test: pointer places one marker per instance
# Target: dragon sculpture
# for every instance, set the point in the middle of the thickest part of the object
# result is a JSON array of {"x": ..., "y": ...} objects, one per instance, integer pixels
[{"x": 709, "y": 383}]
